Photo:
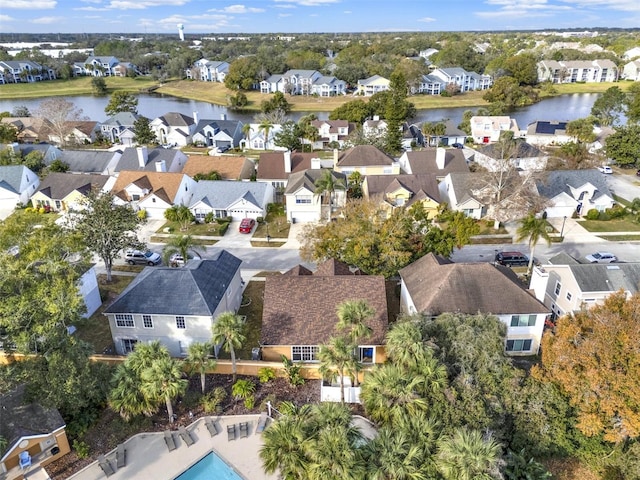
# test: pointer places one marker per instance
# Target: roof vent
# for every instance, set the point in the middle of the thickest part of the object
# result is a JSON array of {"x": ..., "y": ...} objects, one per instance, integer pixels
[{"x": 613, "y": 267}]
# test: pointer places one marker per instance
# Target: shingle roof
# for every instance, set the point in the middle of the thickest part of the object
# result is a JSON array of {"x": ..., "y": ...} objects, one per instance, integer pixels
[
  {"x": 11, "y": 177},
  {"x": 195, "y": 289},
  {"x": 420, "y": 185},
  {"x": 20, "y": 419},
  {"x": 162, "y": 184},
  {"x": 364, "y": 156},
  {"x": 176, "y": 119},
  {"x": 222, "y": 193},
  {"x": 308, "y": 178},
  {"x": 271, "y": 165},
  {"x": 229, "y": 168},
  {"x": 129, "y": 159},
  {"x": 125, "y": 119},
  {"x": 87, "y": 161},
  {"x": 437, "y": 285},
  {"x": 56, "y": 185},
  {"x": 424, "y": 161},
  {"x": 559, "y": 181},
  {"x": 596, "y": 277},
  {"x": 301, "y": 309},
  {"x": 522, "y": 150}
]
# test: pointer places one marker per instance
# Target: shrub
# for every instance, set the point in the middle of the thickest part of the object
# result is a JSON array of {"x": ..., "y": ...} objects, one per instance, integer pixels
[
  {"x": 293, "y": 371},
  {"x": 208, "y": 218},
  {"x": 250, "y": 402},
  {"x": 142, "y": 214},
  {"x": 243, "y": 389},
  {"x": 266, "y": 374},
  {"x": 260, "y": 219},
  {"x": 593, "y": 214},
  {"x": 81, "y": 448},
  {"x": 212, "y": 400},
  {"x": 617, "y": 211}
]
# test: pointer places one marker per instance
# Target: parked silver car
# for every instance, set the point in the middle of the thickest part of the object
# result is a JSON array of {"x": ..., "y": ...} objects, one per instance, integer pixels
[
  {"x": 137, "y": 257},
  {"x": 601, "y": 257}
]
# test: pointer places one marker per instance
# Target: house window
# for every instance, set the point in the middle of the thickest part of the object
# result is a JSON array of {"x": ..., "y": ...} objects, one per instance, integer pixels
[
  {"x": 135, "y": 197},
  {"x": 558, "y": 287},
  {"x": 366, "y": 354},
  {"x": 569, "y": 296},
  {"x": 128, "y": 345},
  {"x": 180, "y": 323},
  {"x": 468, "y": 212},
  {"x": 147, "y": 321},
  {"x": 523, "y": 320},
  {"x": 303, "y": 199},
  {"x": 518, "y": 345},
  {"x": 124, "y": 320},
  {"x": 304, "y": 353},
  {"x": 184, "y": 347}
]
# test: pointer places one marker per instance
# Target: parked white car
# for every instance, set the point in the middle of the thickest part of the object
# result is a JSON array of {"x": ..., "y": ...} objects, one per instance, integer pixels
[
  {"x": 601, "y": 257},
  {"x": 177, "y": 259},
  {"x": 605, "y": 169}
]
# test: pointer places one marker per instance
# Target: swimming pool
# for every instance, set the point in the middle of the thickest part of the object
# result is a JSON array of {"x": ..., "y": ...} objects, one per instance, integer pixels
[{"x": 208, "y": 467}]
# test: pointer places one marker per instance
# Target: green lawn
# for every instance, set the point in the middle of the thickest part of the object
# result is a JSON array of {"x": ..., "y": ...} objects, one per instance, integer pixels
[
  {"x": 205, "y": 229},
  {"x": 626, "y": 224},
  {"x": 252, "y": 301},
  {"x": 277, "y": 226},
  {"x": 74, "y": 86},
  {"x": 95, "y": 329}
]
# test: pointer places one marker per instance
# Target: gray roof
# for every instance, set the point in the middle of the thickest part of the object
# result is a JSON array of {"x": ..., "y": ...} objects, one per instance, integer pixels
[
  {"x": 11, "y": 177},
  {"x": 125, "y": 119},
  {"x": 424, "y": 161},
  {"x": 21, "y": 419},
  {"x": 176, "y": 119},
  {"x": 228, "y": 126},
  {"x": 559, "y": 181},
  {"x": 598, "y": 277},
  {"x": 522, "y": 150},
  {"x": 129, "y": 159},
  {"x": 57, "y": 185},
  {"x": 563, "y": 258},
  {"x": 437, "y": 285},
  {"x": 308, "y": 179},
  {"x": 195, "y": 289},
  {"x": 222, "y": 193},
  {"x": 87, "y": 161}
]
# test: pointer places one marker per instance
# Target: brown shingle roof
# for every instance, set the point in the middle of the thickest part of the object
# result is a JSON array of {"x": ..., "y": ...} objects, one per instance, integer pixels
[
  {"x": 163, "y": 184},
  {"x": 57, "y": 185},
  {"x": 271, "y": 164},
  {"x": 229, "y": 168},
  {"x": 424, "y": 161},
  {"x": 437, "y": 285},
  {"x": 335, "y": 267},
  {"x": 364, "y": 156},
  {"x": 301, "y": 310},
  {"x": 421, "y": 186}
]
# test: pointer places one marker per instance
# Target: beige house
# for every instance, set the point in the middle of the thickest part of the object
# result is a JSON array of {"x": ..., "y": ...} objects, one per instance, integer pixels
[
  {"x": 372, "y": 85},
  {"x": 35, "y": 436},
  {"x": 400, "y": 191},
  {"x": 61, "y": 192},
  {"x": 365, "y": 159}
]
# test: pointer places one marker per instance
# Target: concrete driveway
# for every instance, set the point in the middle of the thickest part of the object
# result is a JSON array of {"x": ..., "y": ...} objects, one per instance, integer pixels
[{"x": 624, "y": 183}]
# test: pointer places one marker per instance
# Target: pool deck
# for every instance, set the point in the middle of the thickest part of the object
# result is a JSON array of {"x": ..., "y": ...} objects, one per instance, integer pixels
[{"x": 147, "y": 454}]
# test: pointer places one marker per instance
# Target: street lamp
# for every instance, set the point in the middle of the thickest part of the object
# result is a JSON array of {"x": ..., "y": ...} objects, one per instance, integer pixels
[
  {"x": 268, "y": 236},
  {"x": 562, "y": 229}
]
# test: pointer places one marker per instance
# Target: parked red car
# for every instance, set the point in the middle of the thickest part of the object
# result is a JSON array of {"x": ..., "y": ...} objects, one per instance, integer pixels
[{"x": 246, "y": 225}]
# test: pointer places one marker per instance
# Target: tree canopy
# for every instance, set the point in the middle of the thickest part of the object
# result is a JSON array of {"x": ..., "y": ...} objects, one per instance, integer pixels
[
  {"x": 623, "y": 147},
  {"x": 121, "y": 101}
]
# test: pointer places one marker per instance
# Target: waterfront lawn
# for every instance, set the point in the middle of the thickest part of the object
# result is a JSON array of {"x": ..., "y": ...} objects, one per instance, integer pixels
[{"x": 74, "y": 86}]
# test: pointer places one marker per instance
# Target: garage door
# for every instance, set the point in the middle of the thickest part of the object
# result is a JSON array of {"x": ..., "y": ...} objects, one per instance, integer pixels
[
  {"x": 559, "y": 212},
  {"x": 304, "y": 217}
]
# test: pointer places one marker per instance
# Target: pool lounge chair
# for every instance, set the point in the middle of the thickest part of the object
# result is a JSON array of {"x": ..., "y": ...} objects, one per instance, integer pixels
[
  {"x": 168, "y": 439},
  {"x": 211, "y": 426},
  {"x": 186, "y": 436},
  {"x": 121, "y": 456},
  {"x": 105, "y": 466},
  {"x": 244, "y": 429},
  {"x": 262, "y": 422},
  {"x": 231, "y": 432}
]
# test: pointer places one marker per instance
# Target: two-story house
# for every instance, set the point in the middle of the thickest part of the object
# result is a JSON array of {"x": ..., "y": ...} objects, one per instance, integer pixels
[
  {"x": 372, "y": 85},
  {"x": 176, "y": 306},
  {"x": 403, "y": 191},
  {"x": 208, "y": 70},
  {"x": 294, "y": 82},
  {"x": 331, "y": 132},
  {"x": 218, "y": 133},
  {"x": 119, "y": 128},
  {"x": 487, "y": 129},
  {"x": 434, "y": 285},
  {"x": 438, "y": 161},
  {"x": 430, "y": 85},
  {"x": 365, "y": 159},
  {"x": 17, "y": 71},
  {"x": 304, "y": 203},
  {"x": 173, "y": 128},
  {"x": 571, "y": 71},
  {"x": 328, "y": 86},
  {"x": 96, "y": 66},
  {"x": 465, "y": 81},
  {"x": 17, "y": 185}
]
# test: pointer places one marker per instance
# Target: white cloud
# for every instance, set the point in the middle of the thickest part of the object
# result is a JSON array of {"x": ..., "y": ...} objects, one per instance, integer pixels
[
  {"x": 28, "y": 4},
  {"x": 623, "y": 5},
  {"x": 46, "y": 20},
  {"x": 284, "y": 15},
  {"x": 6, "y": 18},
  {"x": 347, "y": 12},
  {"x": 92, "y": 9},
  {"x": 426, "y": 19},
  {"x": 308, "y": 3},
  {"x": 521, "y": 8},
  {"x": 238, "y": 9},
  {"x": 142, "y": 4}
]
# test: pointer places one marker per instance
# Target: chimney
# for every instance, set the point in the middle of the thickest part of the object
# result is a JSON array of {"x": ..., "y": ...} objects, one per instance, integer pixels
[
  {"x": 161, "y": 166},
  {"x": 143, "y": 156},
  {"x": 287, "y": 162},
  {"x": 335, "y": 157},
  {"x": 376, "y": 118},
  {"x": 223, "y": 116},
  {"x": 315, "y": 164},
  {"x": 440, "y": 156},
  {"x": 196, "y": 118}
]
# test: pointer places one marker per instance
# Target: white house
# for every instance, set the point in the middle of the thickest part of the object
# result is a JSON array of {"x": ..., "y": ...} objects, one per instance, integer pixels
[
  {"x": 544, "y": 133},
  {"x": 487, "y": 129},
  {"x": 227, "y": 198},
  {"x": 463, "y": 192},
  {"x": 115, "y": 127},
  {"x": 574, "y": 191},
  {"x": 328, "y": 86},
  {"x": 465, "y": 81},
  {"x": 17, "y": 71},
  {"x": 587, "y": 71},
  {"x": 208, "y": 70},
  {"x": 17, "y": 185},
  {"x": 294, "y": 82},
  {"x": 434, "y": 285},
  {"x": 302, "y": 202},
  {"x": 520, "y": 155},
  {"x": 567, "y": 286},
  {"x": 176, "y": 306},
  {"x": 174, "y": 128},
  {"x": 631, "y": 70},
  {"x": 258, "y": 140},
  {"x": 330, "y": 131}
]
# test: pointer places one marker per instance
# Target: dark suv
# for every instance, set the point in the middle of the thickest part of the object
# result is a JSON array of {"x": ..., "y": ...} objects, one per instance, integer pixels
[{"x": 510, "y": 259}]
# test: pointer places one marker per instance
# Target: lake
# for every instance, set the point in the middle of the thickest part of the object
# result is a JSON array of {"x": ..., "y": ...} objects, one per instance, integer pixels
[{"x": 561, "y": 108}]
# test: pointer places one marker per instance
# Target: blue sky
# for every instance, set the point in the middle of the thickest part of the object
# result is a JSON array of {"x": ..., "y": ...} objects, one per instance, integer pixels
[{"x": 217, "y": 16}]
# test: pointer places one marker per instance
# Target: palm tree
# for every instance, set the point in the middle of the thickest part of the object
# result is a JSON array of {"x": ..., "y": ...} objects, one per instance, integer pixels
[
  {"x": 405, "y": 345},
  {"x": 125, "y": 396},
  {"x": 335, "y": 358},
  {"x": 198, "y": 359},
  {"x": 182, "y": 245},
  {"x": 163, "y": 381},
  {"x": 465, "y": 455},
  {"x": 144, "y": 355},
  {"x": 334, "y": 453},
  {"x": 532, "y": 228},
  {"x": 228, "y": 333},
  {"x": 285, "y": 447},
  {"x": 328, "y": 184},
  {"x": 246, "y": 130},
  {"x": 352, "y": 316},
  {"x": 265, "y": 127},
  {"x": 180, "y": 214},
  {"x": 391, "y": 456}
]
